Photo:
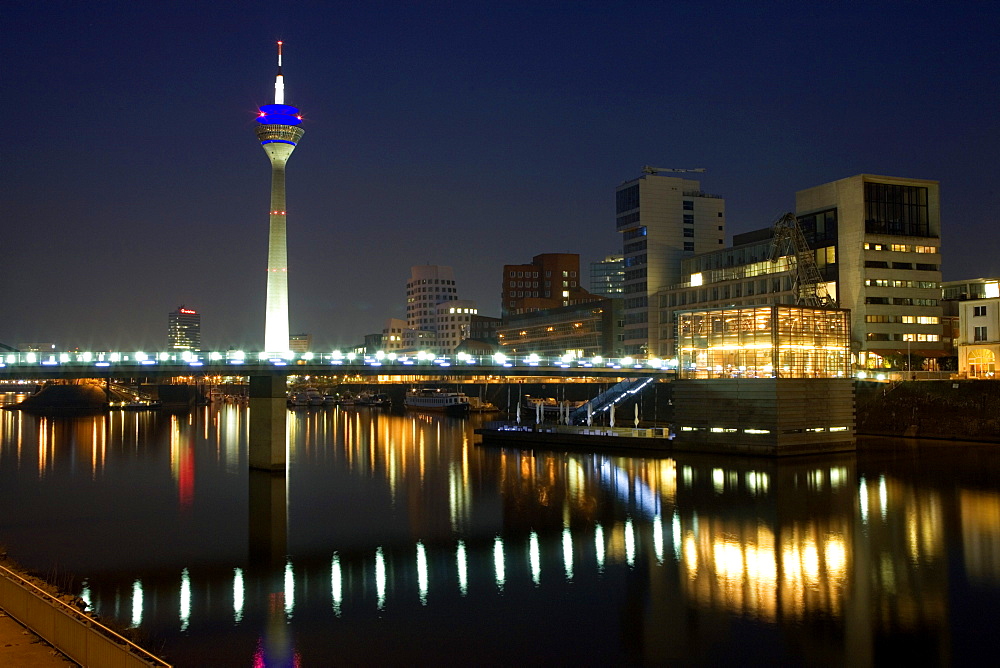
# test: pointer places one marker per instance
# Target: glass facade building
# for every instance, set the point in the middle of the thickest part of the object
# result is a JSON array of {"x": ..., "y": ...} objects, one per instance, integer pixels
[{"x": 771, "y": 341}]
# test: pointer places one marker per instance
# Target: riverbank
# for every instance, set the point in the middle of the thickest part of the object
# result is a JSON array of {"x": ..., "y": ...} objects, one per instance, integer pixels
[{"x": 59, "y": 624}]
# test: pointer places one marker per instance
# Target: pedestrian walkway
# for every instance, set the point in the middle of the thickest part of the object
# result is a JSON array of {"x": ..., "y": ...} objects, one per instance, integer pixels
[{"x": 22, "y": 648}]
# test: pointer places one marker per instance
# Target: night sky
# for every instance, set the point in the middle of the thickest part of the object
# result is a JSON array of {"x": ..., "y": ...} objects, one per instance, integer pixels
[{"x": 465, "y": 134}]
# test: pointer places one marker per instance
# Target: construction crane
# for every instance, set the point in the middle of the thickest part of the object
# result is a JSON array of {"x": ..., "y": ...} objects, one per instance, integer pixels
[
  {"x": 809, "y": 286},
  {"x": 656, "y": 170}
]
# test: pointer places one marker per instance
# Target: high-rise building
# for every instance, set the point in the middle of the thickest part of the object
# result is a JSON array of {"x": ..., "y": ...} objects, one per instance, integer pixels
[
  {"x": 552, "y": 280},
  {"x": 887, "y": 256},
  {"x": 278, "y": 133},
  {"x": 429, "y": 285},
  {"x": 184, "y": 330},
  {"x": 607, "y": 277},
  {"x": 876, "y": 244},
  {"x": 662, "y": 220}
]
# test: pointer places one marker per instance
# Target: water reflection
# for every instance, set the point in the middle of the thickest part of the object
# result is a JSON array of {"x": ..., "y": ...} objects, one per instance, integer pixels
[{"x": 399, "y": 528}]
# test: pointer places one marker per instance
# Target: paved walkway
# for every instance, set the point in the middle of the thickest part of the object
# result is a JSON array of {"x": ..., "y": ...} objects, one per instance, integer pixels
[{"x": 22, "y": 648}]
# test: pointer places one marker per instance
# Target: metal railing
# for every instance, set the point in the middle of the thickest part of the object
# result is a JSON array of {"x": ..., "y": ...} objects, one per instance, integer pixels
[{"x": 76, "y": 635}]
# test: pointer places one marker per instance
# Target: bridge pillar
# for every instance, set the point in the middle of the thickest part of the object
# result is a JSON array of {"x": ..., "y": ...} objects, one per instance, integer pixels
[{"x": 268, "y": 423}]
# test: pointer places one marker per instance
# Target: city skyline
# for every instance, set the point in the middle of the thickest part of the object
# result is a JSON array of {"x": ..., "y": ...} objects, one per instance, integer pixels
[{"x": 463, "y": 136}]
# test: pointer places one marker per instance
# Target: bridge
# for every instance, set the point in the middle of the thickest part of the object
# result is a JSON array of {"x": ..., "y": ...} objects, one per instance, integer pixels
[{"x": 138, "y": 364}]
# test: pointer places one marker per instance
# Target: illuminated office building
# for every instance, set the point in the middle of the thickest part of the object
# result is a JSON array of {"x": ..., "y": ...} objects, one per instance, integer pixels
[
  {"x": 278, "y": 133},
  {"x": 876, "y": 243},
  {"x": 607, "y": 277},
  {"x": 184, "y": 330}
]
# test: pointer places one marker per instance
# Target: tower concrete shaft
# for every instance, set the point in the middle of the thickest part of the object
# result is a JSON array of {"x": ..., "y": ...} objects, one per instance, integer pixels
[{"x": 277, "y": 141}]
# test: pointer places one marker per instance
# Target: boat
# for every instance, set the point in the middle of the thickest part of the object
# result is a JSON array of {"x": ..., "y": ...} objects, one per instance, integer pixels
[
  {"x": 215, "y": 395},
  {"x": 298, "y": 398},
  {"x": 433, "y": 399},
  {"x": 313, "y": 396},
  {"x": 477, "y": 405},
  {"x": 374, "y": 399}
]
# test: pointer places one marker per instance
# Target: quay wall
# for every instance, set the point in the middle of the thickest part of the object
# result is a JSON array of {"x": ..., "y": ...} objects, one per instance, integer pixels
[{"x": 945, "y": 409}]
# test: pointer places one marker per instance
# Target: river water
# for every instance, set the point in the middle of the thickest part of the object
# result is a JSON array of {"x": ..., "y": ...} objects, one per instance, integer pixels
[{"x": 397, "y": 539}]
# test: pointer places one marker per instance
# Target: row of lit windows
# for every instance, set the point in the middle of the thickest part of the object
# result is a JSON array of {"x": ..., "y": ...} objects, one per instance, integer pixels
[
  {"x": 901, "y": 301},
  {"x": 430, "y": 281},
  {"x": 534, "y": 274},
  {"x": 906, "y": 319},
  {"x": 882, "y": 336},
  {"x": 887, "y": 283},
  {"x": 901, "y": 248}
]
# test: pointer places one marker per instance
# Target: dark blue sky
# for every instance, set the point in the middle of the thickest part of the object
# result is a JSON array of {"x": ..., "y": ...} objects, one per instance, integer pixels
[{"x": 466, "y": 134}]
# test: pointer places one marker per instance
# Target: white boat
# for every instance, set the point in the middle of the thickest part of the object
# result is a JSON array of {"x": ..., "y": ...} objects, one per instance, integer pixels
[
  {"x": 298, "y": 398},
  {"x": 442, "y": 401},
  {"x": 313, "y": 396}
]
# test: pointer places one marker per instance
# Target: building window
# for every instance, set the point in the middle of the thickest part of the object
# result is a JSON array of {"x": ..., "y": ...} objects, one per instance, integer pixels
[
  {"x": 689, "y": 231},
  {"x": 627, "y": 199},
  {"x": 979, "y": 334},
  {"x": 689, "y": 219},
  {"x": 978, "y": 310},
  {"x": 689, "y": 245},
  {"x": 896, "y": 209},
  {"x": 689, "y": 205}
]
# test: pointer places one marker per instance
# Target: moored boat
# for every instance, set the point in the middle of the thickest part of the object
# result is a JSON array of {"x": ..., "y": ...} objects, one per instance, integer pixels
[
  {"x": 437, "y": 400},
  {"x": 374, "y": 399}
]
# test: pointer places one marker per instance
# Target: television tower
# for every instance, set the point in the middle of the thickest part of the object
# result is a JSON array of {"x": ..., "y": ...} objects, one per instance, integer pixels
[{"x": 278, "y": 133}]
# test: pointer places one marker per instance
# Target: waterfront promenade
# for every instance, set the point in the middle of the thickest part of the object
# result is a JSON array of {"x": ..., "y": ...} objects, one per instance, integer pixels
[{"x": 20, "y": 647}]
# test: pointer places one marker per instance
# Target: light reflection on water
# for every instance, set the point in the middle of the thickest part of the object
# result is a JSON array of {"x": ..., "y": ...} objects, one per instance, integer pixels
[{"x": 395, "y": 538}]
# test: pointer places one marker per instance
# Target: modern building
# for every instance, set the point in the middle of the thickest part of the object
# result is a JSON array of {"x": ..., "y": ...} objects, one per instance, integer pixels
[
  {"x": 764, "y": 341},
  {"x": 662, "y": 220},
  {"x": 607, "y": 277},
  {"x": 278, "y": 132},
  {"x": 429, "y": 285},
  {"x": 184, "y": 330},
  {"x": 875, "y": 242},
  {"x": 436, "y": 319},
  {"x": 453, "y": 323},
  {"x": 484, "y": 328},
  {"x": 300, "y": 343},
  {"x": 771, "y": 379},
  {"x": 551, "y": 280},
  {"x": 979, "y": 337},
  {"x": 953, "y": 294},
  {"x": 580, "y": 330},
  {"x": 887, "y": 260}
]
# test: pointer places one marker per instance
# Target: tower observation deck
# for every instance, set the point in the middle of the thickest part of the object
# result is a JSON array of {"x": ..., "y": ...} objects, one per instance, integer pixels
[{"x": 279, "y": 132}]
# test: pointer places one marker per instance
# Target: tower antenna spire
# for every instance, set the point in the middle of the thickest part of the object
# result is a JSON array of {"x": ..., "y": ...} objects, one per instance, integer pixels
[{"x": 279, "y": 81}]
